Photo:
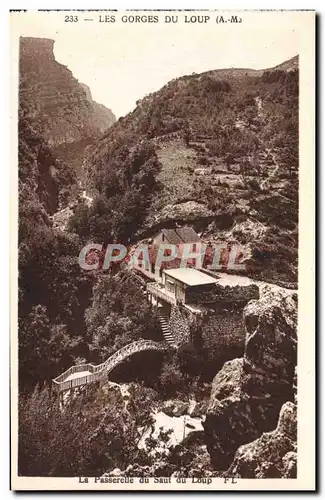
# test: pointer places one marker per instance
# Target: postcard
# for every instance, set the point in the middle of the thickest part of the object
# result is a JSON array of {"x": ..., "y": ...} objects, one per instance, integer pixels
[{"x": 162, "y": 250}]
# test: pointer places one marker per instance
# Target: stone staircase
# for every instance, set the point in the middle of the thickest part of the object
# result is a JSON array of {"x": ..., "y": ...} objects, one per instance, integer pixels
[{"x": 163, "y": 317}]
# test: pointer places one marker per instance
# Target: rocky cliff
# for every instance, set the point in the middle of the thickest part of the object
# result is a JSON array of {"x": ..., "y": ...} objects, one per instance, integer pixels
[
  {"x": 45, "y": 181},
  {"x": 57, "y": 101},
  {"x": 273, "y": 454},
  {"x": 248, "y": 393}
]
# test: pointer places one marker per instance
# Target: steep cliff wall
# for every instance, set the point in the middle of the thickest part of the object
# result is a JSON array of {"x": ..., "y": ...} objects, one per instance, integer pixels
[
  {"x": 57, "y": 101},
  {"x": 45, "y": 181}
]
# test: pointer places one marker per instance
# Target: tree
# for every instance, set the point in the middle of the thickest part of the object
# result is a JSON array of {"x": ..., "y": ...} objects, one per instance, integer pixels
[
  {"x": 171, "y": 377},
  {"x": 79, "y": 222},
  {"x": 250, "y": 114},
  {"x": 190, "y": 360},
  {"x": 45, "y": 349},
  {"x": 56, "y": 441},
  {"x": 88, "y": 435},
  {"x": 119, "y": 314},
  {"x": 54, "y": 293}
]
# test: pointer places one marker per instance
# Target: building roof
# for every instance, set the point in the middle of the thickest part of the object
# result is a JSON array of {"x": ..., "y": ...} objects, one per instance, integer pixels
[
  {"x": 172, "y": 236},
  {"x": 181, "y": 235},
  {"x": 187, "y": 234},
  {"x": 152, "y": 255},
  {"x": 190, "y": 277}
]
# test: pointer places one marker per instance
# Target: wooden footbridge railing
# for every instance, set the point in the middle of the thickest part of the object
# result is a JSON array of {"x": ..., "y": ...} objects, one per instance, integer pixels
[{"x": 80, "y": 375}]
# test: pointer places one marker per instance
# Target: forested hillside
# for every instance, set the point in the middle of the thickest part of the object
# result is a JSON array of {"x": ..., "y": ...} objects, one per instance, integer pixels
[
  {"x": 218, "y": 150},
  {"x": 62, "y": 320}
]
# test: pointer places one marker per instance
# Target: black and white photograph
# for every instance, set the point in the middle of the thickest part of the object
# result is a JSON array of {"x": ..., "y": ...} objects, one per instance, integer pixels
[{"x": 164, "y": 269}]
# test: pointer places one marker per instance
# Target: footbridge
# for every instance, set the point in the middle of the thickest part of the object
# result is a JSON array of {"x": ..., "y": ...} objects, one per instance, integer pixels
[{"x": 84, "y": 374}]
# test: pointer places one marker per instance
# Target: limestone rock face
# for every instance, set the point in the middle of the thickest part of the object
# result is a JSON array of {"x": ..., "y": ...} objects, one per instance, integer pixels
[
  {"x": 230, "y": 419},
  {"x": 272, "y": 455},
  {"x": 271, "y": 342},
  {"x": 56, "y": 100},
  {"x": 189, "y": 212},
  {"x": 248, "y": 393}
]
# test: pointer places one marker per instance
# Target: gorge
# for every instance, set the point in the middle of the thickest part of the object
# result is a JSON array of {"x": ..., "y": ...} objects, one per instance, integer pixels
[{"x": 215, "y": 151}]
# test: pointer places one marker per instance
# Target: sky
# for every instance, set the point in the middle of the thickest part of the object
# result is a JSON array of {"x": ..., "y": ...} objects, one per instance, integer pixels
[{"x": 123, "y": 62}]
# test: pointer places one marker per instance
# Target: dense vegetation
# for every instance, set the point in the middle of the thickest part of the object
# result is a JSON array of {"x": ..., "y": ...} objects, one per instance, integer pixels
[
  {"x": 54, "y": 292},
  {"x": 50, "y": 287},
  {"x": 123, "y": 199},
  {"x": 91, "y": 435}
]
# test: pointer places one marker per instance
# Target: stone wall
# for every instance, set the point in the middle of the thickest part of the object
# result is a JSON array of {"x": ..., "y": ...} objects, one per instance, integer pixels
[
  {"x": 201, "y": 294},
  {"x": 227, "y": 322},
  {"x": 179, "y": 325},
  {"x": 236, "y": 293}
]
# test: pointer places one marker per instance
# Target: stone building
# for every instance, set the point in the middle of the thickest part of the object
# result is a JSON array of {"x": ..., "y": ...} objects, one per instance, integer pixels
[
  {"x": 177, "y": 236},
  {"x": 147, "y": 263},
  {"x": 182, "y": 285}
]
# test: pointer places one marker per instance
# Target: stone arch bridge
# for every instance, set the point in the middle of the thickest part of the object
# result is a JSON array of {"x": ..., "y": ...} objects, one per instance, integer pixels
[{"x": 85, "y": 374}]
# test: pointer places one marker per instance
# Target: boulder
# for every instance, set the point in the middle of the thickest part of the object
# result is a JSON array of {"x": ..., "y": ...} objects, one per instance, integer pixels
[
  {"x": 180, "y": 409},
  {"x": 115, "y": 472},
  {"x": 175, "y": 408},
  {"x": 168, "y": 408},
  {"x": 248, "y": 393},
  {"x": 198, "y": 410},
  {"x": 230, "y": 420},
  {"x": 290, "y": 465},
  {"x": 273, "y": 454}
]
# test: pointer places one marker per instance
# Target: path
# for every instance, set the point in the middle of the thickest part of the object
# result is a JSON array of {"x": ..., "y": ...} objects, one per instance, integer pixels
[{"x": 274, "y": 171}]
